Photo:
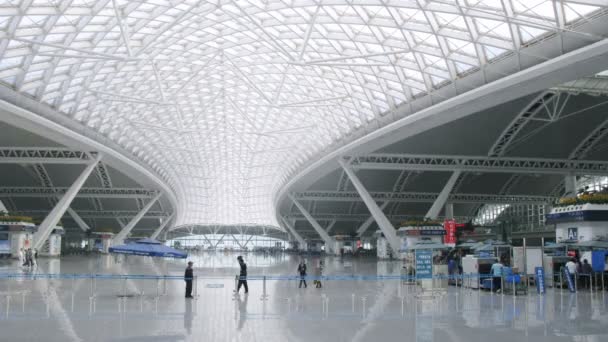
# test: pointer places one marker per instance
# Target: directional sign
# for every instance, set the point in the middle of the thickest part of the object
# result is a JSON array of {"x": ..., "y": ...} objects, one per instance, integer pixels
[{"x": 424, "y": 264}]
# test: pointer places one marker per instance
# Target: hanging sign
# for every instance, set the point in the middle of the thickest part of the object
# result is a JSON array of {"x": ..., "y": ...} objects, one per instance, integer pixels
[{"x": 450, "y": 232}]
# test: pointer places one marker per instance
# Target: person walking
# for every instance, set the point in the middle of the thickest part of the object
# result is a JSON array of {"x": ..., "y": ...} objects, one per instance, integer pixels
[
  {"x": 189, "y": 277},
  {"x": 242, "y": 275},
  {"x": 302, "y": 271}
]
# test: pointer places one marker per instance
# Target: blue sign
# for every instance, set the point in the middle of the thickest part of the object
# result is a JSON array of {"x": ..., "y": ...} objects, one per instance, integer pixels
[
  {"x": 424, "y": 264},
  {"x": 540, "y": 280},
  {"x": 598, "y": 260},
  {"x": 573, "y": 233},
  {"x": 577, "y": 216},
  {"x": 569, "y": 280}
]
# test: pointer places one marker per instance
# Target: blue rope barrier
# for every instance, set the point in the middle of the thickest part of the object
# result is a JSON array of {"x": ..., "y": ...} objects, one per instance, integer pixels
[{"x": 251, "y": 277}]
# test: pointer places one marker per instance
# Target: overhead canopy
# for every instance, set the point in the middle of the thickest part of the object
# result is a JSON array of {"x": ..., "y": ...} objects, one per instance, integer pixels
[
  {"x": 148, "y": 247},
  {"x": 225, "y": 100}
]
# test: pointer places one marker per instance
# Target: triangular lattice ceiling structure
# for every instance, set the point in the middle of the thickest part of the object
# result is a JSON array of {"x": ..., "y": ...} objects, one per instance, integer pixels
[{"x": 223, "y": 99}]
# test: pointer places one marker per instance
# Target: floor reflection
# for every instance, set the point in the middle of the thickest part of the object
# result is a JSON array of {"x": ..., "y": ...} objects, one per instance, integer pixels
[{"x": 363, "y": 310}]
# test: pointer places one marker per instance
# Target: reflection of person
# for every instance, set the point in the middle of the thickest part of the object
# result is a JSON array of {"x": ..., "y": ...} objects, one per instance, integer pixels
[
  {"x": 572, "y": 269},
  {"x": 242, "y": 311},
  {"x": 319, "y": 274},
  {"x": 242, "y": 275},
  {"x": 188, "y": 277},
  {"x": 188, "y": 317},
  {"x": 21, "y": 257}
]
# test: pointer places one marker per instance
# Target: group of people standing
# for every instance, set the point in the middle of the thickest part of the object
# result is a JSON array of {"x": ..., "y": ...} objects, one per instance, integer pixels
[
  {"x": 28, "y": 257},
  {"x": 581, "y": 271}
]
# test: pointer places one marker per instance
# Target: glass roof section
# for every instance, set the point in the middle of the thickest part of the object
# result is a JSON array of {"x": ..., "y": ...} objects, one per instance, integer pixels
[{"x": 224, "y": 98}]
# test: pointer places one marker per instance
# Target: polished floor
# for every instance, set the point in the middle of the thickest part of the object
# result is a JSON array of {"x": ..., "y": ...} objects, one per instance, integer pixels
[{"x": 83, "y": 309}]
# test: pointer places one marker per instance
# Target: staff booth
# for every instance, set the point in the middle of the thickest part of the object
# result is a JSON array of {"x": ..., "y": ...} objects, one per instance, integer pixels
[
  {"x": 426, "y": 262},
  {"x": 455, "y": 259},
  {"x": 19, "y": 231},
  {"x": 579, "y": 223},
  {"x": 344, "y": 244},
  {"x": 596, "y": 253},
  {"x": 101, "y": 242},
  {"x": 477, "y": 266}
]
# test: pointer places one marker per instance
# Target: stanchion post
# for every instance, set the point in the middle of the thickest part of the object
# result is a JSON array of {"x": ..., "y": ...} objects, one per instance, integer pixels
[
  {"x": 264, "y": 295},
  {"x": 8, "y": 304},
  {"x": 514, "y": 288},
  {"x": 561, "y": 280},
  {"x": 195, "y": 287}
]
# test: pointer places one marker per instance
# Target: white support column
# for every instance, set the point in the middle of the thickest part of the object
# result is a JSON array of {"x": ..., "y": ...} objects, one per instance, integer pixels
[
  {"x": 330, "y": 226},
  {"x": 51, "y": 220},
  {"x": 443, "y": 196},
  {"x": 292, "y": 230},
  {"x": 365, "y": 226},
  {"x": 161, "y": 227},
  {"x": 570, "y": 185},
  {"x": 329, "y": 242},
  {"x": 120, "y": 237},
  {"x": 377, "y": 213},
  {"x": 79, "y": 221},
  {"x": 449, "y": 211}
]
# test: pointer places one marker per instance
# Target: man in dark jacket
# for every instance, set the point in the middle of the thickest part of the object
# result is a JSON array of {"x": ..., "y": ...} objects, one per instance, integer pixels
[
  {"x": 188, "y": 277},
  {"x": 242, "y": 275},
  {"x": 302, "y": 271}
]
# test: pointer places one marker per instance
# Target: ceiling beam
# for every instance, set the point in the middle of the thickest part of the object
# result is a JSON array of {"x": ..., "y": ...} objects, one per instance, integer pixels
[
  {"x": 93, "y": 214},
  {"x": 41, "y": 155},
  {"x": 421, "y": 162},
  {"x": 422, "y": 197},
  {"x": 362, "y": 217},
  {"x": 32, "y": 191}
]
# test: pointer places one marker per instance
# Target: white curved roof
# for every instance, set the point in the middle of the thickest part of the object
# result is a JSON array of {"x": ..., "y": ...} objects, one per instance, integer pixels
[{"x": 223, "y": 99}]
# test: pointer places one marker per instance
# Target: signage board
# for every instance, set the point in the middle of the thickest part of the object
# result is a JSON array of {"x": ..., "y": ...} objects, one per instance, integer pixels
[
  {"x": 423, "y": 232},
  {"x": 424, "y": 264},
  {"x": 540, "y": 280},
  {"x": 573, "y": 233}
]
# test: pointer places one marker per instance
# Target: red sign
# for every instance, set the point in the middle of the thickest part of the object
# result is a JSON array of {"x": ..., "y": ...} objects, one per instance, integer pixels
[{"x": 450, "y": 232}]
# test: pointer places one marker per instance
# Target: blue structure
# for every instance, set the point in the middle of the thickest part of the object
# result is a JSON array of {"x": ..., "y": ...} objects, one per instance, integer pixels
[{"x": 148, "y": 247}]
